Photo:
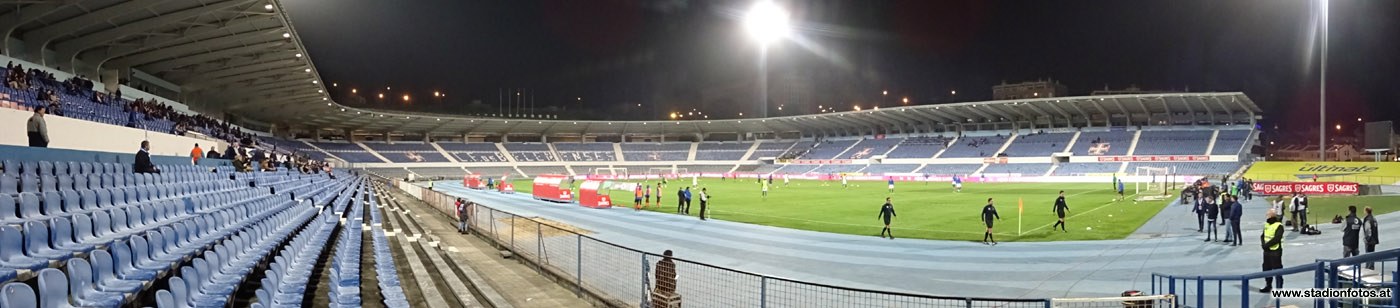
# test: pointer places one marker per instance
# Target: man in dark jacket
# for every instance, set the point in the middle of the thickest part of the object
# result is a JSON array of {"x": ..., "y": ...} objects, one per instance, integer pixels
[
  {"x": 680, "y": 200},
  {"x": 1369, "y": 229},
  {"x": 887, "y": 213},
  {"x": 1271, "y": 240},
  {"x": 143, "y": 160},
  {"x": 1225, "y": 202},
  {"x": 1200, "y": 210},
  {"x": 1236, "y": 212},
  {"x": 1351, "y": 233},
  {"x": 1212, "y": 211}
]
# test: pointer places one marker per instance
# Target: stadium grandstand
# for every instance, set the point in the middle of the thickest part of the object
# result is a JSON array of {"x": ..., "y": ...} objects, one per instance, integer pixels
[{"x": 321, "y": 204}]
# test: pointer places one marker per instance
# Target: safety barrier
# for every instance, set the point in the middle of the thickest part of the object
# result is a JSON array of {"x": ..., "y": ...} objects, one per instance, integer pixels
[
  {"x": 623, "y": 276},
  {"x": 1349, "y": 272}
]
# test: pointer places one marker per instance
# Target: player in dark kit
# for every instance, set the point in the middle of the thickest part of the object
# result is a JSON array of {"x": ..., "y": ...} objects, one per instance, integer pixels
[
  {"x": 1060, "y": 209},
  {"x": 887, "y": 213},
  {"x": 989, "y": 212}
]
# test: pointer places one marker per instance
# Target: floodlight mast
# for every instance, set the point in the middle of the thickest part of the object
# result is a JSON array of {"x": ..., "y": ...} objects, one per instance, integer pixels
[{"x": 766, "y": 23}]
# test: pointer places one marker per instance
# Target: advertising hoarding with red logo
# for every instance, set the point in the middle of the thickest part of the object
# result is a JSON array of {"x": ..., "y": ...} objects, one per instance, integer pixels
[
  {"x": 1310, "y": 188},
  {"x": 549, "y": 187},
  {"x": 1155, "y": 158},
  {"x": 589, "y": 195}
]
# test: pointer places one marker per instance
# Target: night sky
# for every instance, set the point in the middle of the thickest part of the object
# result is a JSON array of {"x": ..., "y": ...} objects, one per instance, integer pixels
[{"x": 672, "y": 55}]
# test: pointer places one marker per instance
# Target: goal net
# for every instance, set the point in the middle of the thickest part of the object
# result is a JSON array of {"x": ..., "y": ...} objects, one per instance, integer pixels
[
  {"x": 1144, "y": 301},
  {"x": 667, "y": 172},
  {"x": 1153, "y": 183},
  {"x": 610, "y": 171}
]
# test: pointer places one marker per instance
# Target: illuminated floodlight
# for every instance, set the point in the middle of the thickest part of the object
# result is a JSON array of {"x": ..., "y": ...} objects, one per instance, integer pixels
[
  {"x": 298, "y": 55},
  {"x": 268, "y": 7},
  {"x": 766, "y": 22}
]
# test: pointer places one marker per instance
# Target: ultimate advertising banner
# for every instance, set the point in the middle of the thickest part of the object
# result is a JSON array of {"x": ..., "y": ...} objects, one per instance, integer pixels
[
  {"x": 1310, "y": 188},
  {"x": 1368, "y": 173}
]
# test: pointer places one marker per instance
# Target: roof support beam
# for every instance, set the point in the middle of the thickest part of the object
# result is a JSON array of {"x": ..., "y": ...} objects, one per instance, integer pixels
[
  {"x": 26, "y": 14},
  {"x": 68, "y": 50},
  {"x": 260, "y": 25},
  {"x": 196, "y": 58},
  {"x": 38, "y": 39},
  {"x": 269, "y": 39}
]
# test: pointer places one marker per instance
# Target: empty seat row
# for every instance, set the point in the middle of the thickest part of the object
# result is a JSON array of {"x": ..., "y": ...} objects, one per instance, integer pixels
[
  {"x": 106, "y": 279},
  {"x": 26, "y": 206},
  {"x": 345, "y": 262},
  {"x": 44, "y": 183},
  {"x": 212, "y": 279},
  {"x": 286, "y": 279},
  {"x": 390, "y": 287},
  {"x": 56, "y": 168}
]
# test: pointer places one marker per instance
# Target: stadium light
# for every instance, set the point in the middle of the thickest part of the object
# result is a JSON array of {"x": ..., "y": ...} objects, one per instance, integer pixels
[
  {"x": 1339, "y": 127},
  {"x": 766, "y": 22},
  {"x": 268, "y": 7},
  {"x": 885, "y": 92},
  {"x": 857, "y": 107},
  {"x": 906, "y": 100},
  {"x": 307, "y": 70},
  {"x": 381, "y": 95},
  {"x": 298, "y": 55},
  {"x": 354, "y": 91},
  {"x": 953, "y": 92},
  {"x": 405, "y": 97},
  {"x": 286, "y": 35}
]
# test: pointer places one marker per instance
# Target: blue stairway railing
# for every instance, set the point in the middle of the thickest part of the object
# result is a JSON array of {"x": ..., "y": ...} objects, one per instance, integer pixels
[{"x": 1192, "y": 289}]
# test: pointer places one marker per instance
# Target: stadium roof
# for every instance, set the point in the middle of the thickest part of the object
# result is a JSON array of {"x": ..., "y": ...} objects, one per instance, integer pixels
[
  {"x": 1115, "y": 110},
  {"x": 236, "y": 54}
]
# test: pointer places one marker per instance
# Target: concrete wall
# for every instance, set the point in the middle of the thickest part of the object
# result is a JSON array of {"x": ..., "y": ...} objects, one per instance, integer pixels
[{"x": 67, "y": 133}]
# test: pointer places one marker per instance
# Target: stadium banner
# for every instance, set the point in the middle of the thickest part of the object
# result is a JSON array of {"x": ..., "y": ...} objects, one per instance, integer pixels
[
  {"x": 995, "y": 160},
  {"x": 1368, "y": 173},
  {"x": 829, "y": 161},
  {"x": 1311, "y": 188},
  {"x": 1155, "y": 158}
]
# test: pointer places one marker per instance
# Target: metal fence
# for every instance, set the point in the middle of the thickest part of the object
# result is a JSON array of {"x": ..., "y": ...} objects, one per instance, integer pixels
[
  {"x": 1236, "y": 290},
  {"x": 623, "y": 276}
]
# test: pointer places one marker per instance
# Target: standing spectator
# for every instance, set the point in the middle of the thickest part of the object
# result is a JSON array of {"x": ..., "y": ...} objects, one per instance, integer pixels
[
  {"x": 463, "y": 216},
  {"x": 704, "y": 202},
  {"x": 38, "y": 130},
  {"x": 1271, "y": 241},
  {"x": 665, "y": 292},
  {"x": 687, "y": 200},
  {"x": 1200, "y": 210},
  {"x": 1351, "y": 233},
  {"x": 1300, "y": 211},
  {"x": 143, "y": 159},
  {"x": 1225, "y": 203},
  {"x": 1236, "y": 212},
  {"x": 213, "y": 152},
  {"x": 1212, "y": 211},
  {"x": 196, "y": 154},
  {"x": 1372, "y": 233},
  {"x": 680, "y": 200}
]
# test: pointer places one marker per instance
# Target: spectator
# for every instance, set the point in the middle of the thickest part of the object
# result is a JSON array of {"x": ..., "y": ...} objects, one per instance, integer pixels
[
  {"x": 664, "y": 295},
  {"x": 1351, "y": 233},
  {"x": 213, "y": 153},
  {"x": 229, "y": 153},
  {"x": 143, "y": 159},
  {"x": 38, "y": 130},
  {"x": 196, "y": 154},
  {"x": 1372, "y": 234},
  {"x": 1271, "y": 241}
]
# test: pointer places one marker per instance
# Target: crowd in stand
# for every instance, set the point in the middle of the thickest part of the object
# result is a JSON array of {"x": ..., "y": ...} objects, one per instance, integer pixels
[{"x": 46, "y": 86}]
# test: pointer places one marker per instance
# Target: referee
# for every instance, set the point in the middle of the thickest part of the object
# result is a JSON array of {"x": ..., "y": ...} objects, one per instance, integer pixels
[
  {"x": 1060, "y": 209},
  {"x": 887, "y": 213},
  {"x": 989, "y": 212}
]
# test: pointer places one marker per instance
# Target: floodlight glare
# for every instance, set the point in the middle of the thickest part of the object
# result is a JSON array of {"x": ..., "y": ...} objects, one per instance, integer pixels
[{"x": 766, "y": 22}]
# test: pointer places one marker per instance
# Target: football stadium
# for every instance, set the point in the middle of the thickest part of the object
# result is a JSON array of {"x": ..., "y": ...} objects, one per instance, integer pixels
[{"x": 191, "y": 154}]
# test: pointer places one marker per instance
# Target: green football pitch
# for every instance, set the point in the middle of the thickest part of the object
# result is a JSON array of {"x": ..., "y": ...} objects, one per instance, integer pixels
[
  {"x": 929, "y": 211},
  {"x": 934, "y": 211}
]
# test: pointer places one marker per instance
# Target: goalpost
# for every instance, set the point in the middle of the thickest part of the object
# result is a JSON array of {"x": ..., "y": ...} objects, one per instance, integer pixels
[
  {"x": 1159, "y": 181},
  {"x": 610, "y": 171},
  {"x": 666, "y": 171}
]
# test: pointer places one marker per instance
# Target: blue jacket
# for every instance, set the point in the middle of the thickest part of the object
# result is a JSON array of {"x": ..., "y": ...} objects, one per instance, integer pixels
[{"x": 1236, "y": 212}]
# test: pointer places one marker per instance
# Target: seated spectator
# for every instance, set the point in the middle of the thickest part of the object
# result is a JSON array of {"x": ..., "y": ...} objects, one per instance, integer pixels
[
  {"x": 213, "y": 153},
  {"x": 143, "y": 160}
]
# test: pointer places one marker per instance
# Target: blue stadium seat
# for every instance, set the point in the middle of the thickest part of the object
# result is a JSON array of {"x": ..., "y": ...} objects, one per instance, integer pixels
[
  {"x": 11, "y": 168},
  {"x": 80, "y": 284},
  {"x": 9, "y": 184},
  {"x": 108, "y": 180},
  {"x": 88, "y": 168},
  {"x": 61, "y": 235},
  {"x": 83, "y": 231},
  {"x": 119, "y": 180},
  {"x": 80, "y": 181},
  {"x": 124, "y": 268},
  {"x": 164, "y": 298},
  {"x": 29, "y": 167},
  {"x": 95, "y": 181},
  {"x": 29, "y": 183},
  {"x": 45, "y": 168},
  {"x": 105, "y": 278},
  {"x": 53, "y": 289},
  {"x": 18, "y": 295},
  {"x": 75, "y": 168},
  {"x": 29, "y": 206},
  {"x": 38, "y": 244},
  {"x": 12, "y": 251},
  {"x": 65, "y": 182},
  {"x": 87, "y": 200},
  {"x": 48, "y": 183},
  {"x": 9, "y": 212},
  {"x": 53, "y": 204},
  {"x": 141, "y": 256},
  {"x": 72, "y": 204},
  {"x": 60, "y": 168}
]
